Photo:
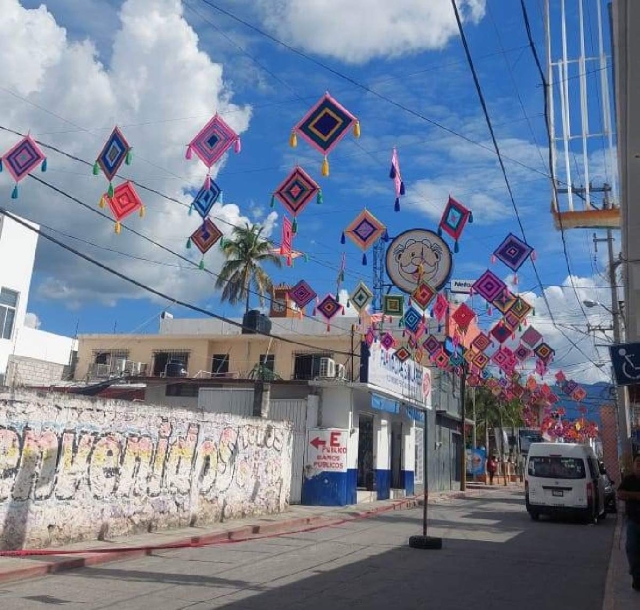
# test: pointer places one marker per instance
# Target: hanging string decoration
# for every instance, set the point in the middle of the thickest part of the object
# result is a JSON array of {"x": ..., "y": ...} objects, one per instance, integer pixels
[
  {"x": 431, "y": 344},
  {"x": 21, "y": 160},
  {"x": 520, "y": 308},
  {"x": 463, "y": 316},
  {"x": 500, "y": 332},
  {"x": 205, "y": 237},
  {"x": 481, "y": 360},
  {"x": 453, "y": 221},
  {"x": 361, "y": 297},
  {"x": 396, "y": 176},
  {"x": 340, "y": 276},
  {"x": 211, "y": 142},
  {"x": 205, "y": 199},
  {"x": 328, "y": 308},
  {"x": 364, "y": 231},
  {"x": 114, "y": 153},
  {"x": 402, "y": 353},
  {"x": 302, "y": 294},
  {"x": 393, "y": 305},
  {"x": 489, "y": 286},
  {"x": 441, "y": 307},
  {"x": 544, "y": 352},
  {"x": 387, "y": 341},
  {"x": 531, "y": 337},
  {"x": 286, "y": 241},
  {"x": 423, "y": 295},
  {"x": 412, "y": 319},
  {"x": 295, "y": 192},
  {"x": 504, "y": 301},
  {"x": 324, "y": 126},
  {"x": 123, "y": 201},
  {"x": 522, "y": 352},
  {"x": 513, "y": 252},
  {"x": 481, "y": 342}
]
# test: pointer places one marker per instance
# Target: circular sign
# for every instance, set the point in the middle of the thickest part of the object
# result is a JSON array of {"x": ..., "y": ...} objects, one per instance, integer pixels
[{"x": 419, "y": 254}]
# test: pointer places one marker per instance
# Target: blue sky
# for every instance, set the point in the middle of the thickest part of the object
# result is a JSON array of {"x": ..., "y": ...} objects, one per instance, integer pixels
[{"x": 159, "y": 69}]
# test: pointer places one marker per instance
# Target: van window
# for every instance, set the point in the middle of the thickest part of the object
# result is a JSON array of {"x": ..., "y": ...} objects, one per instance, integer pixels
[{"x": 556, "y": 467}]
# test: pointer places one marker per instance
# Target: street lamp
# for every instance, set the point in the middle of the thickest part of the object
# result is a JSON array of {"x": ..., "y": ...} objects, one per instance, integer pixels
[{"x": 590, "y": 304}]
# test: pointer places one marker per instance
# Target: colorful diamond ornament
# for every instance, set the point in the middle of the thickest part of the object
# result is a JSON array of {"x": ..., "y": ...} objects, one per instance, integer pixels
[
  {"x": 212, "y": 141},
  {"x": 454, "y": 219},
  {"x": 205, "y": 237},
  {"x": 329, "y": 307},
  {"x": 122, "y": 202},
  {"x": 295, "y": 192},
  {"x": 364, "y": 231},
  {"x": 114, "y": 153},
  {"x": 302, "y": 294},
  {"x": 489, "y": 286},
  {"x": 423, "y": 295},
  {"x": 21, "y": 160},
  {"x": 412, "y": 319},
  {"x": 361, "y": 297},
  {"x": 513, "y": 252},
  {"x": 324, "y": 126},
  {"x": 205, "y": 199}
]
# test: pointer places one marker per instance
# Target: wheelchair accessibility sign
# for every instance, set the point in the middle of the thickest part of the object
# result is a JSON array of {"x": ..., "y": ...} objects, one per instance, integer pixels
[{"x": 625, "y": 358}]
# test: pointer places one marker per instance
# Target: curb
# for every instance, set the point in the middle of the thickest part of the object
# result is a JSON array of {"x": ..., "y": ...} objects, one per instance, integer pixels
[
  {"x": 609, "y": 601},
  {"x": 239, "y": 534}
]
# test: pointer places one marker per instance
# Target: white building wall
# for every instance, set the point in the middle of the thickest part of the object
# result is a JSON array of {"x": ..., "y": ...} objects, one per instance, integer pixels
[
  {"x": 17, "y": 255},
  {"x": 382, "y": 444},
  {"x": 42, "y": 345},
  {"x": 409, "y": 445}
]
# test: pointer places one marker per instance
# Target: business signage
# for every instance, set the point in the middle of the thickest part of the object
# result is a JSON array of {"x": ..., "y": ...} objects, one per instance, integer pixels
[
  {"x": 327, "y": 449},
  {"x": 407, "y": 379},
  {"x": 462, "y": 286}
]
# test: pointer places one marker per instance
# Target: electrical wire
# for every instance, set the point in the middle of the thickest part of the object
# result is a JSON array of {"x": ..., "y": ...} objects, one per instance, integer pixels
[{"x": 158, "y": 293}]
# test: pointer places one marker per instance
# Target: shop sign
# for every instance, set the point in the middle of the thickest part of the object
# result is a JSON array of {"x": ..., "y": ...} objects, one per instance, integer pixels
[
  {"x": 380, "y": 403},
  {"x": 327, "y": 449},
  {"x": 413, "y": 413},
  {"x": 407, "y": 379}
]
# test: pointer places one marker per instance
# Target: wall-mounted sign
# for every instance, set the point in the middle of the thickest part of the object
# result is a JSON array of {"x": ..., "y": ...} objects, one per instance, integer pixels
[
  {"x": 407, "y": 379},
  {"x": 380, "y": 403},
  {"x": 418, "y": 255},
  {"x": 461, "y": 286},
  {"x": 327, "y": 449}
]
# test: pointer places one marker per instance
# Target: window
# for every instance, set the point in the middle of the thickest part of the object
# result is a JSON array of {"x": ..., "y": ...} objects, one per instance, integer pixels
[
  {"x": 183, "y": 390},
  {"x": 307, "y": 366},
  {"x": 219, "y": 365},
  {"x": 109, "y": 357},
  {"x": 8, "y": 305},
  {"x": 162, "y": 359},
  {"x": 268, "y": 361},
  {"x": 556, "y": 467}
]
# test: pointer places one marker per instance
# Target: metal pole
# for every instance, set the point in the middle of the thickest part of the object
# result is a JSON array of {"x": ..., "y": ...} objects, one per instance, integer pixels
[
  {"x": 624, "y": 440},
  {"x": 474, "y": 438},
  {"x": 425, "y": 477},
  {"x": 463, "y": 452}
]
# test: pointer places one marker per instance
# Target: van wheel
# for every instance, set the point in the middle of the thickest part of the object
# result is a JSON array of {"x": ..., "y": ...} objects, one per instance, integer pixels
[{"x": 535, "y": 516}]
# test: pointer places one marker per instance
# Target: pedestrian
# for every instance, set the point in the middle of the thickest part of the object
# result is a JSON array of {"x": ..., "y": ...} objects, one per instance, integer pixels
[
  {"x": 629, "y": 491},
  {"x": 492, "y": 466}
]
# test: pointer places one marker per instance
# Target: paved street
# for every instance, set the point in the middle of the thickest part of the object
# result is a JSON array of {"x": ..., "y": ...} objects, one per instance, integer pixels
[{"x": 494, "y": 558}]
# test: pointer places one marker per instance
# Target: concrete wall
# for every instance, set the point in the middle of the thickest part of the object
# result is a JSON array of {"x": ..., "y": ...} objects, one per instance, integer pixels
[
  {"x": 42, "y": 345},
  {"x": 74, "y": 468},
  {"x": 23, "y": 371},
  {"x": 18, "y": 245}
]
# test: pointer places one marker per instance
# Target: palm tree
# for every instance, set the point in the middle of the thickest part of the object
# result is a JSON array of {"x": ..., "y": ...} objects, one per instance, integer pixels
[{"x": 242, "y": 273}]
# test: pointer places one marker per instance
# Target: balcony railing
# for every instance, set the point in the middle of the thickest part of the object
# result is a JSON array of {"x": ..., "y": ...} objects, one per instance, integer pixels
[{"x": 117, "y": 368}]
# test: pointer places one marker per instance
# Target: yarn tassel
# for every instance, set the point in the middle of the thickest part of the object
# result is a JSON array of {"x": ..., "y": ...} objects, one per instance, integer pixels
[
  {"x": 201, "y": 265},
  {"x": 402, "y": 190},
  {"x": 14, "y": 193},
  {"x": 515, "y": 279},
  {"x": 328, "y": 327},
  {"x": 319, "y": 197},
  {"x": 293, "y": 139},
  {"x": 143, "y": 211},
  {"x": 470, "y": 218},
  {"x": 493, "y": 259},
  {"x": 456, "y": 247},
  {"x": 356, "y": 129},
  {"x": 237, "y": 146},
  {"x": 129, "y": 157},
  {"x": 191, "y": 209},
  {"x": 101, "y": 202},
  {"x": 110, "y": 190},
  {"x": 342, "y": 238},
  {"x": 189, "y": 152},
  {"x": 117, "y": 228},
  {"x": 189, "y": 244},
  {"x": 96, "y": 168},
  {"x": 439, "y": 231},
  {"x": 396, "y": 207},
  {"x": 43, "y": 167},
  {"x": 364, "y": 258},
  {"x": 273, "y": 201},
  {"x": 294, "y": 225},
  {"x": 534, "y": 256},
  {"x": 325, "y": 166},
  {"x": 0, "y": 164},
  {"x": 385, "y": 236},
  {"x": 306, "y": 258},
  {"x": 207, "y": 183},
  {"x": 392, "y": 172}
]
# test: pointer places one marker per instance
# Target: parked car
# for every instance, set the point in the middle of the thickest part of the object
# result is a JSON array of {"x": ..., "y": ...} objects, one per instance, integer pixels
[
  {"x": 610, "y": 503},
  {"x": 564, "y": 478}
]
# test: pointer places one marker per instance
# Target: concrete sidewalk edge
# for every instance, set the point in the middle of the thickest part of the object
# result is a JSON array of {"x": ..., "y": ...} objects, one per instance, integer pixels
[
  {"x": 60, "y": 563},
  {"x": 609, "y": 601}
]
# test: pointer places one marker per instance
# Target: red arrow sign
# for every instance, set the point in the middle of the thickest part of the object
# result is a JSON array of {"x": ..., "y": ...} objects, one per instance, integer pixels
[{"x": 316, "y": 442}]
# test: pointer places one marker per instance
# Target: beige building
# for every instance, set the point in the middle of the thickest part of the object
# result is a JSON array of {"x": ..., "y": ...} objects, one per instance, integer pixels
[{"x": 210, "y": 348}]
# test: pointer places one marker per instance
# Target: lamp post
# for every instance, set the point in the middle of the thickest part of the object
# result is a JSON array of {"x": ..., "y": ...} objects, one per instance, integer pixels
[{"x": 626, "y": 450}]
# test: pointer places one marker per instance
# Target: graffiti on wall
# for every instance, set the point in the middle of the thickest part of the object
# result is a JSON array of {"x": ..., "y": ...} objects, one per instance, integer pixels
[{"x": 154, "y": 467}]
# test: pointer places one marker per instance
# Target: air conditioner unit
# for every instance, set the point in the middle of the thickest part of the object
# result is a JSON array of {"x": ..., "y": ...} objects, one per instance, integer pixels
[
  {"x": 341, "y": 372},
  {"x": 327, "y": 368}
]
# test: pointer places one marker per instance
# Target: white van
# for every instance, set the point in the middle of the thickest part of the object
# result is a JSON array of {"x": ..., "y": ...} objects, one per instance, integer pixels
[{"x": 564, "y": 478}]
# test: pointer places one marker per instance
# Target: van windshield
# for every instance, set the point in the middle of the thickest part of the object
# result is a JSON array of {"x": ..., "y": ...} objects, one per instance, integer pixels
[{"x": 556, "y": 467}]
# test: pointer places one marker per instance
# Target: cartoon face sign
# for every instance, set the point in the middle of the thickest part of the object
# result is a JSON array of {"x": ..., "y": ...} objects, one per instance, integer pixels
[{"x": 418, "y": 254}]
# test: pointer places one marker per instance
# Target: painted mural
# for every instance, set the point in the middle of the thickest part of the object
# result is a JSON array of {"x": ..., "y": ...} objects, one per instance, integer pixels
[{"x": 75, "y": 468}]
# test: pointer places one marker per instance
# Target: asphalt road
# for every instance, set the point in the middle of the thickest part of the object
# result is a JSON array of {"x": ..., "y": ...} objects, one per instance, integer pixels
[{"x": 494, "y": 557}]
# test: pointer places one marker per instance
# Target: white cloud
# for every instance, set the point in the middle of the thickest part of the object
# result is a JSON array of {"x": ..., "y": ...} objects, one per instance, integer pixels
[
  {"x": 31, "y": 320},
  {"x": 157, "y": 73},
  {"x": 361, "y": 30}
]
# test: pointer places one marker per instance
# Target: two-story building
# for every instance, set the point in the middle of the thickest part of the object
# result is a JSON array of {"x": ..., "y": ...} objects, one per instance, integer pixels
[{"x": 28, "y": 356}]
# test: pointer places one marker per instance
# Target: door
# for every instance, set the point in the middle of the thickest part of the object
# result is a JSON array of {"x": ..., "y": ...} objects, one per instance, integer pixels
[
  {"x": 396, "y": 455},
  {"x": 366, "y": 473}
]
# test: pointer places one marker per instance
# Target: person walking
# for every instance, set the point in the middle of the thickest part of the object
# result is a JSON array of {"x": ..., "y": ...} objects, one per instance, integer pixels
[
  {"x": 629, "y": 492},
  {"x": 492, "y": 467}
]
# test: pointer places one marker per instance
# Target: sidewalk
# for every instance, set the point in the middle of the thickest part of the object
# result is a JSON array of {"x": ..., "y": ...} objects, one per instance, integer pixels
[
  {"x": 618, "y": 593},
  {"x": 297, "y": 518}
]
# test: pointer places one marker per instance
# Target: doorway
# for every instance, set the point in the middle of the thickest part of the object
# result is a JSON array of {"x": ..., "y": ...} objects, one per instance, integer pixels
[
  {"x": 396, "y": 456},
  {"x": 366, "y": 476}
]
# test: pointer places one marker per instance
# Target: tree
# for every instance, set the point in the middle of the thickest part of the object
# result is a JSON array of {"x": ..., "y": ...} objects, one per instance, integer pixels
[{"x": 246, "y": 252}]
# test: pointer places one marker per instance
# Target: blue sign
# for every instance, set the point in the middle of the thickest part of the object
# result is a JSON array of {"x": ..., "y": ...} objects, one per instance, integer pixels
[
  {"x": 413, "y": 413},
  {"x": 381, "y": 403},
  {"x": 625, "y": 358},
  {"x": 476, "y": 459}
]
